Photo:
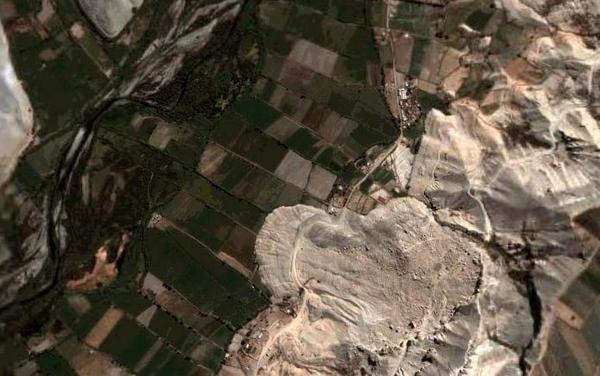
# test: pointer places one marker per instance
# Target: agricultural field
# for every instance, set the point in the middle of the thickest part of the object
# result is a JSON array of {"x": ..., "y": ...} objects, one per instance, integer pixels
[
  {"x": 163, "y": 177},
  {"x": 167, "y": 133},
  {"x": 152, "y": 266}
]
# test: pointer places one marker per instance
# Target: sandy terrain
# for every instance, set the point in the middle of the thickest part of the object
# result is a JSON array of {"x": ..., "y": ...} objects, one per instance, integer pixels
[{"x": 103, "y": 327}]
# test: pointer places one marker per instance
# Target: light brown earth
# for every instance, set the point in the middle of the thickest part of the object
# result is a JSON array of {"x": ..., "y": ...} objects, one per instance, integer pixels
[
  {"x": 103, "y": 327},
  {"x": 104, "y": 272},
  {"x": 294, "y": 169},
  {"x": 175, "y": 303},
  {"x": 282, "y": 128},
  {"x": 146, "y": 316},
  {"x": 86, "y": 361},
  {"x": 79, "y": 303},
  {"x": 314, "y": 57},
  {"x": 320, "y": 182},
  {"x": 148, "y": 355}
]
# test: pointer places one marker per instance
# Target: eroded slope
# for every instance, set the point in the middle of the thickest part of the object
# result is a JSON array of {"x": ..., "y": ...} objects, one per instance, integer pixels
[{"x": 368, "y": 284}]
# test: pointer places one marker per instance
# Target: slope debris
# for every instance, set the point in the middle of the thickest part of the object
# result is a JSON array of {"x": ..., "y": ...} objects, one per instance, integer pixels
[{"x": 369, "y": 285}]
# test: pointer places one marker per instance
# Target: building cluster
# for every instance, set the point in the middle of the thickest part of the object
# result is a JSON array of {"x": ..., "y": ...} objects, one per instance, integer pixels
[{"x": 409, "y": 109}]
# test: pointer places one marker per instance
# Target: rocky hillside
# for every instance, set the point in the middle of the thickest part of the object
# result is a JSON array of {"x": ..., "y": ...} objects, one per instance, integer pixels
[{"x": 504, "y": 171}]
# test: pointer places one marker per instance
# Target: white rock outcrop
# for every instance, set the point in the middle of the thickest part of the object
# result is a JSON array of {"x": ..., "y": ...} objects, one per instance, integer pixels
[
  {"x": 370, "y": 284},
  {"x": 16, "y": 115}
]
